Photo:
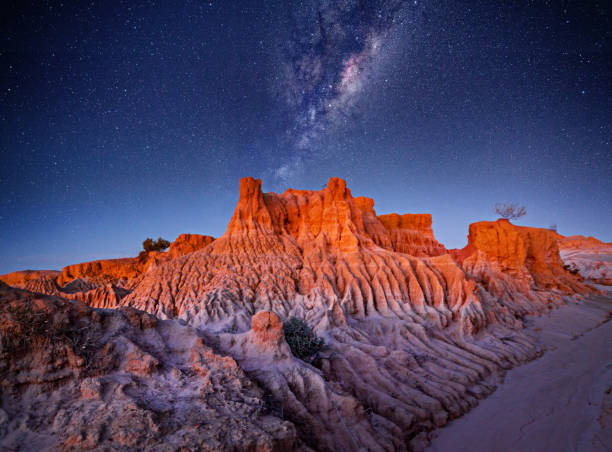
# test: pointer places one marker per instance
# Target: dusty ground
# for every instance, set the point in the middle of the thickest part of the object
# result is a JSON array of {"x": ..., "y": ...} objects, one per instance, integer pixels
[{"x": 559, "y": 402}]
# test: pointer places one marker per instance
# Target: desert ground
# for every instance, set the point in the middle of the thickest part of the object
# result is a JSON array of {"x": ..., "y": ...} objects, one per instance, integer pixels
[{"x": 559, "y": 402}]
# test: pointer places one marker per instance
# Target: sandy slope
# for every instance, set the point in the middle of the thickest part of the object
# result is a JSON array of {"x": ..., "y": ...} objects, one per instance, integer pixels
[{"x": 560, "y": 402}]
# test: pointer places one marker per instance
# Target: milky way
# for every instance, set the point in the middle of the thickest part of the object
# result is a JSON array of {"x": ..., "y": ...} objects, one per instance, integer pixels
[
  {"x": 335, "y": 49},
  {"x": 138, "y": 120}
]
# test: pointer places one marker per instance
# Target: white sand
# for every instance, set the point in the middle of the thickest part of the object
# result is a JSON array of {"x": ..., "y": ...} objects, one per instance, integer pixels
[{"x": 559, "y": 402}]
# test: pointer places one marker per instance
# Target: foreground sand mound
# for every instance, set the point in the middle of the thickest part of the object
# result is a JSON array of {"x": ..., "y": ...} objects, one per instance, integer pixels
[{"x": 76, "y": 378}]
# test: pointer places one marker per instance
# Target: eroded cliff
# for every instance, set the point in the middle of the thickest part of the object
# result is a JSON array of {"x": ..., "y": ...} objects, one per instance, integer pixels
[{"x": 415, "y": 334}]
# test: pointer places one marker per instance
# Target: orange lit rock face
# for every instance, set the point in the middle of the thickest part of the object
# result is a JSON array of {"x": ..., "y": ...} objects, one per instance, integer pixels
[
  {"x": 122, "y": 270},
  {"x": 413, "y": 332},
  {"x": 524, "y": 252},
  {"x": 104, "y": 270},
  {"x": 329, "y": 251},
  {"x": 188, "y": 243},
  {"x": 311, "y": 248},
  {"x": 22, "y": 278},
  {"x": 331, "y": 218},
  {"x": 39, "y": 281},
  {"x": 102, "y": 283},
  {"x": 412, "y": 234},
  {"x": 519, "y": 265}
]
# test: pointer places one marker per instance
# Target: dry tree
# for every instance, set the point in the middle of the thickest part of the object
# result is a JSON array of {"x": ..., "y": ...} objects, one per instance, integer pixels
[{"x": 510, "y": 211}]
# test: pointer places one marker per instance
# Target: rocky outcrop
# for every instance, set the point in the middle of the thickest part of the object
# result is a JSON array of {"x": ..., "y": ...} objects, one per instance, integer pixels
[
  {"x": 75, "y": 378},
  {"x": 304, "y": 250},
  {"x": 22, "y": 278},
  {"x": 519, "y": 266},
  {"x": 411, "y": 341},
  {"x": 415, "y": 334},
  {"x": 412, "y": 234},
  {"x": 589, "y": 257},
  {"x": 125, "y": 272},
  {"x": 102, "y": 271},
  {"x": 102, "y": 283},
  {"x": 187, "y": 243}
]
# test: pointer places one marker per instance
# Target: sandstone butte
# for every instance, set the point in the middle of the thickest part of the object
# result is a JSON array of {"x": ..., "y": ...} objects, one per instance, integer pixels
[{"x": 415, "y": 334}]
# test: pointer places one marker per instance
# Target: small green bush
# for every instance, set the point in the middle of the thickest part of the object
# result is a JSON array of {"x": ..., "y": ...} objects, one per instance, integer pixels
[{"x": 304, "y": 344}]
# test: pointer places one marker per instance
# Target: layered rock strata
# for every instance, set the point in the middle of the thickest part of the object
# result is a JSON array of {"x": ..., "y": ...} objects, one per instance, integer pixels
[
  {"x": 518, "y": 269},
  {"x": 102, "y": 283},
  {"x": 415, "y": 334},
  {"x": 414, "y": 340}
]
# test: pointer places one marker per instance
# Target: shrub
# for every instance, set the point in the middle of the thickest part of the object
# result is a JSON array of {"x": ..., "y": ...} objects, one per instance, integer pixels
[
  {"x": 150, "y": 245},
  {"x": 27, "y": 326},
  {"x": 303, "y": 342}
]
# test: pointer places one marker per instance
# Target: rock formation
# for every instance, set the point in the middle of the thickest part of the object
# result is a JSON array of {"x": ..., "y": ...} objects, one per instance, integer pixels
[
  {"x": 412, "y": 234},
  {"x": 22, "y": 278},
  {"x": 185, "y": 244},
  {"x": 125, "y": 271},
  {"x": 518, "y": 267},
  {"x": 405, "y": 333},
  {"x": 415, "y": 334},
  {"x": 589, "y": 257},
  {"x": 102, "y": 283},
  {"x": 76, "y": 378}
]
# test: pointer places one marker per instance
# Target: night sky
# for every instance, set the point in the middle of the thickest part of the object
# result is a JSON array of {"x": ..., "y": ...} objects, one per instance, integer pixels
[{"x": 121, "y": 121}]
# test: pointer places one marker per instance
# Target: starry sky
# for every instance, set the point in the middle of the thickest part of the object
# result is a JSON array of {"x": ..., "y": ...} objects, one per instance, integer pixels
[{"x": 121, "y": 121}]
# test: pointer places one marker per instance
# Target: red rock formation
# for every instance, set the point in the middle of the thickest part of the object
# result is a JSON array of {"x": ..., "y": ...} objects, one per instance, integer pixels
[
  {"x": 398, "y": 327},
  {"x": 102, "y": 283},
  {"x": 412, "y": 234},
  {"x": 74, "y": 378},
  {"x": 21, "y": 278},
  {"x": 413, "y": 337},
  {"x": 519, "y": 266},
  {"x": 103, "y": 270},
  {"x": 121, "y": 270},
  {"x": 188, "y": 243},
  {"x": 588, "y": 256},
  {"x": 317, "y": 246}
]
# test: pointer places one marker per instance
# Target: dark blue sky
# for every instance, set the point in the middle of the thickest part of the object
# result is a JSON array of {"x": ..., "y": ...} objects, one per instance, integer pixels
[{"x": 120, "y": 122}]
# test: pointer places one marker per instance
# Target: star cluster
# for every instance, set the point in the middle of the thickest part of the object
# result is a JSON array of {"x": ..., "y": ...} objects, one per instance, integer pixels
[
  {"x": 122, "y": 120},
  {"x": 334, "y": 50}
]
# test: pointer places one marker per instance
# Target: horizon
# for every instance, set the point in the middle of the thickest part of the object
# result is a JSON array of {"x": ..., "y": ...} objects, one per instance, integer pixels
[
  {"x": 138, "y": 247},
  {"x": 139, "y": 122}
]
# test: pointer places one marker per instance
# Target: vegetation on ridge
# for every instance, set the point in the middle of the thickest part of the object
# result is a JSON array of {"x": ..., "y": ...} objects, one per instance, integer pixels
[
  {"x": 155, "y": 245},
  {"x": 304, "y": 344}
]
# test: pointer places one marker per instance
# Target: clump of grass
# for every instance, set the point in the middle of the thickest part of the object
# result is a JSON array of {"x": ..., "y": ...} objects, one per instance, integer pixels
[
  {"x": 27, "y": 327},
  {"x": 304, "y": 344}
]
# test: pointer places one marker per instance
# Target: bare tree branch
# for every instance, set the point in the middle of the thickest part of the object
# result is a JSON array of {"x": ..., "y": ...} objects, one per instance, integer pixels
[{"x": 510, "y": 211}]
